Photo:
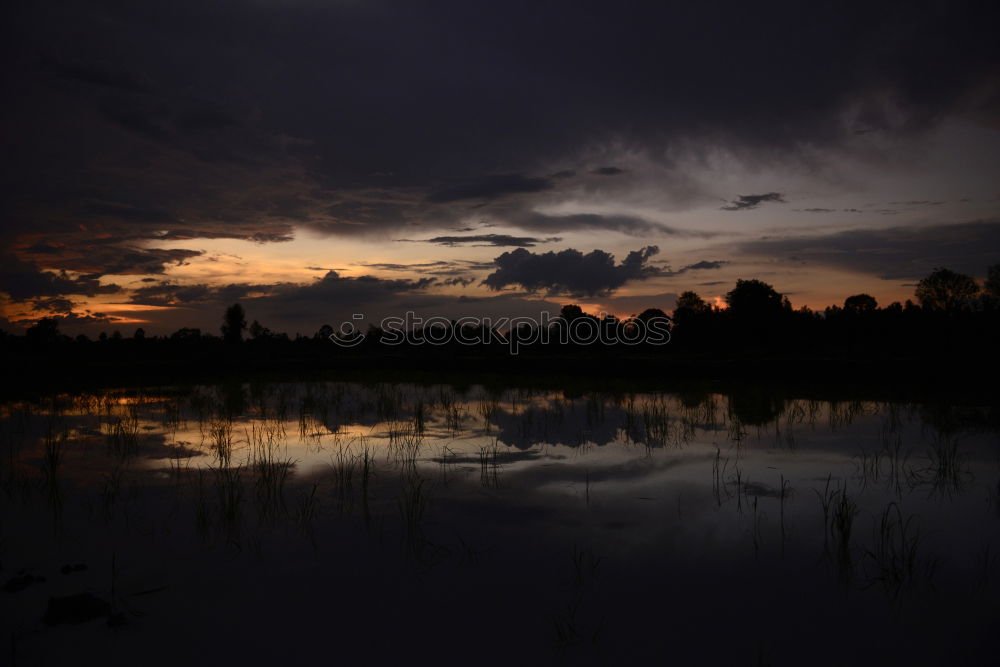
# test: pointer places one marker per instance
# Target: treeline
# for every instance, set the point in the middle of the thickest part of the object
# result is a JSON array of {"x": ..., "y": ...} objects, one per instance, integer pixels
[{"x": 952, "y": 316}]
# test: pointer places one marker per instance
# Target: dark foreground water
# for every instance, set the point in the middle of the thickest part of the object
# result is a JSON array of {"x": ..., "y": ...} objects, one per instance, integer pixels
[{"x": 386, "y": 524}]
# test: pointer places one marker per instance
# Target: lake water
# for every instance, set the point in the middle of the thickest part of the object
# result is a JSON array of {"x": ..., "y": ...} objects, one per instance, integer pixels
[{"x": 382, "y": 523}]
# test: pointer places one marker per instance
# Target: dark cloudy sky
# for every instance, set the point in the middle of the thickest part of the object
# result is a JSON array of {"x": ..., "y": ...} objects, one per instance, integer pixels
[{"x": 314, "y": 159}]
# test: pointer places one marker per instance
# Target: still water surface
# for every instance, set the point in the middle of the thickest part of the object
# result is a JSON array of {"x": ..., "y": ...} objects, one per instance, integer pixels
[{"x": 376, "y": 523}]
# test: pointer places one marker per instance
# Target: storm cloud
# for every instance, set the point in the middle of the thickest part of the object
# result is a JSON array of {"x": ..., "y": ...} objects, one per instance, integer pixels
[
  {"x": 499, "y": 240},
  {"x": 570, "y": 271},
  {"x": 745, "y": 202},
  {"x": 894, "y": 253},
  {"x": 626, "y": 224},
  {"x": 704, "y": 265},
  {"x": 22, "y": 280},
  {"x": 450, "y": 103}
]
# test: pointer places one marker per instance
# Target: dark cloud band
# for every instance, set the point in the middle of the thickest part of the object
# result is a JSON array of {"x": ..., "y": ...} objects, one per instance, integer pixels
[{"x": 570, "y": 271}]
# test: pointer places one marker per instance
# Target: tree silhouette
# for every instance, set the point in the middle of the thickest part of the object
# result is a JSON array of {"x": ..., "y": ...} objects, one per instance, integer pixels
[
  {"x": 946, "y": 290},
  {"x": 860, "y": 303},
  {"x": 185, "y": 334},
  {"x": 259, "y": 332},
  {"x": 46, "y": 330},
  {"x": 233, "y": 324},
  {"x": 649, "y": 314},
  {"x": 754, "y": 298},
  {"x": 570, "y": 312},
  {"x": 690, "y": 302},
  {"x": 324, "y": 333},
  {"x": 689, "y": 308}
]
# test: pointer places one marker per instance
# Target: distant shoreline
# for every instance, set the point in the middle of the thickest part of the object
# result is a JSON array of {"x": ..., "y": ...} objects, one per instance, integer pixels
[{"x": 950, "y": 380}]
